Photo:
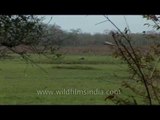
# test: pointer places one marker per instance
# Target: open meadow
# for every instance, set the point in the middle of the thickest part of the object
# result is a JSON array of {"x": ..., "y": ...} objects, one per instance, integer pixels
[{"x": 78, "y": 79}]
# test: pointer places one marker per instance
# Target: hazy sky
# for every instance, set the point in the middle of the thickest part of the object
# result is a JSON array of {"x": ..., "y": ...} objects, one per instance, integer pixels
[{"x": 87, "y": 22}]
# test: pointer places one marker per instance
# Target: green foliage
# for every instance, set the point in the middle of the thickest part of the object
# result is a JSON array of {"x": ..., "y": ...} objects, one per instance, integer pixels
[{"x": 19, "y": 29}]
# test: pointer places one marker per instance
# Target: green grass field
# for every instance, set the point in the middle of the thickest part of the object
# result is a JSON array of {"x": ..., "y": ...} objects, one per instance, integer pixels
[{"x": 92, "y": 77}]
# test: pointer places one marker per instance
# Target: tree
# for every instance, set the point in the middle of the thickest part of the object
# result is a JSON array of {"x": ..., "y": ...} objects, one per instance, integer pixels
[
  {"x": 53, "y": 37},
  {"x": 19, "y": 29},
  {"x": 74, "y": 36},
  {"x": 141, "y": 63}
]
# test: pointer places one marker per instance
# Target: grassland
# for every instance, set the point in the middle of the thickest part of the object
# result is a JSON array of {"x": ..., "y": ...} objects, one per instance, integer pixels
[{"x": 21, "y": 81}]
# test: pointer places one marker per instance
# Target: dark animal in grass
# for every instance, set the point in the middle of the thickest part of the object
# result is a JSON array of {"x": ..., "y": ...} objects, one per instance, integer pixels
[
  {"x": 58, "y": 55},
  {"x": 82, "y": 58}
]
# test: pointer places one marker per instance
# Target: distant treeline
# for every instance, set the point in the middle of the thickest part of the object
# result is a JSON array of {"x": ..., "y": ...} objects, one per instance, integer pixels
[
  {"x": 54, "y": 35},
  {"x": 54, "y": 39}
]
